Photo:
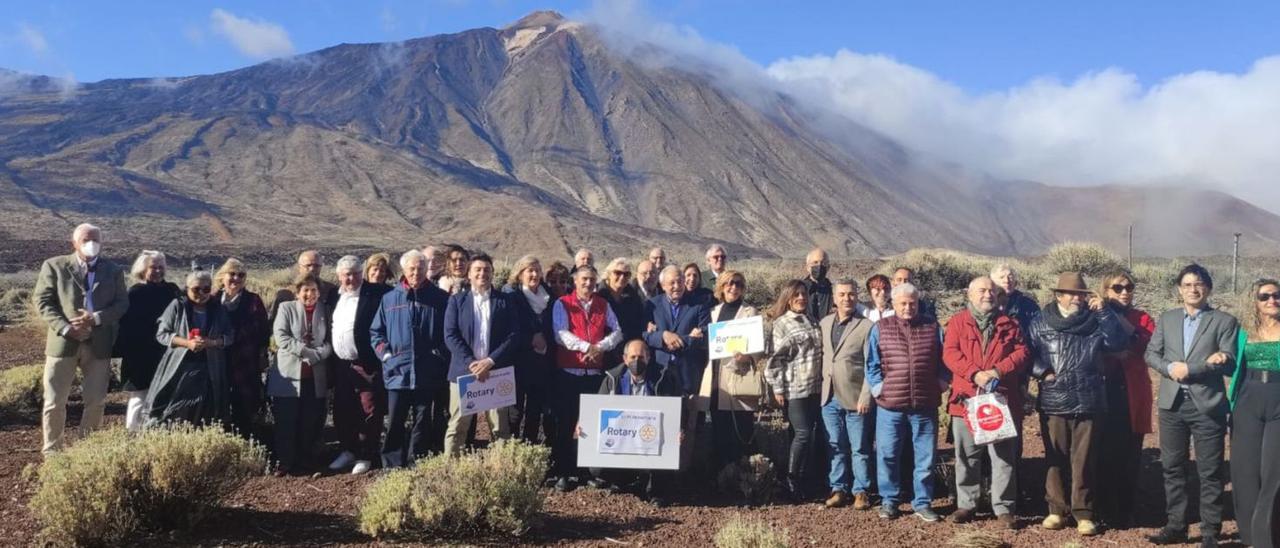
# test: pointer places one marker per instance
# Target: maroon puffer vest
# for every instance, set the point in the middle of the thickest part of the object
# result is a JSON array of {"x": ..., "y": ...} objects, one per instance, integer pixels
[{"x": 910, "y": 356}]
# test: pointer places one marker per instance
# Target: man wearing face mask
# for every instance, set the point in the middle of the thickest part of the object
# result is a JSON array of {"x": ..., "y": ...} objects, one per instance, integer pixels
[
  {"x": 81, "y": 298},
  {"x": 637, "y": 377},
  {"x": 817, "y": 285}
]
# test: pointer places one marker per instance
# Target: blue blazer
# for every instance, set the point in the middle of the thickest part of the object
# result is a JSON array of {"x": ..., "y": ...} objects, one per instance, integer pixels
[
  {"x": 460, "y": 331},
  {"x": 689, "y": 362}
]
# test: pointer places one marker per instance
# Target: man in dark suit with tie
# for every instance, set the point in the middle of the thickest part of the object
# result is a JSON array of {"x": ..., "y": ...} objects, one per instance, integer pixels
[
  {"x": 1192, "y": 349},
  {"x": 481, "y": 328},
  {"x": 679, "y": 343},
  {"x": 81, "y": 298}
]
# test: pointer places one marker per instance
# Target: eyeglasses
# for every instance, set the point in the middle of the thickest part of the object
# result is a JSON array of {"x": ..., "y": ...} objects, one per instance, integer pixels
[
  {"x": 1264, "y": 297},
  {"x": 716, "y": 257},
  {"x": 203, "y": 289},
  {"x": 1121, "y": 288},
  {"x": 735, "y": 283}
]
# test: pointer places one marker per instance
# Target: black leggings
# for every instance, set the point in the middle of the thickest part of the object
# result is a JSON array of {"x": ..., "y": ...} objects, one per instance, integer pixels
[
  {"x": 1255, "y": 459},
  {"x": 802, "y": 414}
]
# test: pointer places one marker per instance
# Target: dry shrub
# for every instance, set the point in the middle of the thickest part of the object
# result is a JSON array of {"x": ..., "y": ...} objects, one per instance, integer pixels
[
  {"x": 741, "y": 532},
  {"x": 112, "y": 485},
  {"x": 1090, "y": 258},
  {"x": 496, "y": 490},
  {"x": 21, "y": 390},
  {"x": 773, "y": 437},
  {"x": 976, "y": 539},
  {"x": 940, "y": 269},
  {"x": 753, "y": 478}
]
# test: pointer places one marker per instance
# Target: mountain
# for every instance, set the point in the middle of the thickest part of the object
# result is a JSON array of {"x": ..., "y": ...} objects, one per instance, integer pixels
[{"x": 537, "y": 137}]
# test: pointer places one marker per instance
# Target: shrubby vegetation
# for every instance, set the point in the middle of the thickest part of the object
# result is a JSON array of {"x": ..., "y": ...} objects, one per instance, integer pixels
[
  {"x": 21, "y": 390},
  {"x": 753, "y": 478},
  {"x": 497, "y": 490},
  {"x": 108, "y": 487},
  {"x": 742, "y": 532}
]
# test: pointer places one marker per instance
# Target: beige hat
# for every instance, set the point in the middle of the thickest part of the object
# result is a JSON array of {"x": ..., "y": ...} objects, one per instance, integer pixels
[{"x": 1072, "y": 282}]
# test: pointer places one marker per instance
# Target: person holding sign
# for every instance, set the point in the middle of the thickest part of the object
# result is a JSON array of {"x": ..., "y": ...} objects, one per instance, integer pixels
[
  {"x": 986, "y": 352},
  {"x": 732, "y": 387},
  {"x": 482, "y": 331},
  {"x": 636, "y": 377},
  {"x": 586, "y": 329}
]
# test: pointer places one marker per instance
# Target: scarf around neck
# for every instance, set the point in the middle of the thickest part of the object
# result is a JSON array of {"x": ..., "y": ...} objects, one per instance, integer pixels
[
  {"x": 537, "y": 300},
  {"x": 1083, "y": 322},
  {"x": 986, "y": 322}
]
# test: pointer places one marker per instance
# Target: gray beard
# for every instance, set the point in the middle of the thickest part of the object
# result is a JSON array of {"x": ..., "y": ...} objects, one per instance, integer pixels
[{"x": 1067, "y": 313}]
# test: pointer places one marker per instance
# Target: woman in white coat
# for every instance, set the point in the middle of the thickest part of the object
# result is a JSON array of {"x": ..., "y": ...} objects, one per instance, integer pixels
[{"x": 732, "y": 387}]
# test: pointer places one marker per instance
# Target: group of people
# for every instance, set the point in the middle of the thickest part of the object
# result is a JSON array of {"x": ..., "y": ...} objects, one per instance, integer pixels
[{"x": 866, "y": 377}]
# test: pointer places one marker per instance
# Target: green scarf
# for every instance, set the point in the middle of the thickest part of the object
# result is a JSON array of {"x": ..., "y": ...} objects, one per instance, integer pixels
[{"x": 986, "y": 323}]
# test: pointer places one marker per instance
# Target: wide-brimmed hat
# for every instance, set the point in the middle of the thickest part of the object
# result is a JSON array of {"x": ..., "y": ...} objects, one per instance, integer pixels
[{"x": 1071, "y": 282}]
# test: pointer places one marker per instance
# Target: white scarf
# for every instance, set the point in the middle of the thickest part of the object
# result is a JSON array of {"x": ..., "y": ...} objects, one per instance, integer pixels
[{"x": 537, "y": 301}]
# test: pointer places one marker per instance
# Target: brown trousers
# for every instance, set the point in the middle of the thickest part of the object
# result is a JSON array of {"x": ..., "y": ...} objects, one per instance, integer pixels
[{"x": 1070, "y": 450}]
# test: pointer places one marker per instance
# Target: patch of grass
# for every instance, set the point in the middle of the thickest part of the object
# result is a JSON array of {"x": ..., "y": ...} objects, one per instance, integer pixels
[
  {"x": 976, "y": 539},
  {"x": 21, "y": 390},
  {"x": 742, "y": 532}
]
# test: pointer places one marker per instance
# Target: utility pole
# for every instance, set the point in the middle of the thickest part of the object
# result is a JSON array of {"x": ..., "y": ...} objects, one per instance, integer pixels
[
  {"x": 1235, "y": 261},
  {"x": 1130, "y": 248}
]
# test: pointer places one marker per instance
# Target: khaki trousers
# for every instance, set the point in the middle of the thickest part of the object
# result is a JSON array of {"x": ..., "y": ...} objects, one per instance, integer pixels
[
  {"x": 59, "y": 373},
  {"x": 455, "y": 435}
]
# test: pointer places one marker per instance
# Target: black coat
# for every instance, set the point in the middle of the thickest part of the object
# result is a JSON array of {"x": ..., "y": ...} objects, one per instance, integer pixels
[
  {"x": 533, "y": 370},
  {"x": 629, "y": 309},
  {"x": 136, "y": 344},
  {"x": 819, "y": 298},
  {"x": 666, "y": 385},
  {"x": 1075, "y": 360},
  {"x": 366, "y": 308}
]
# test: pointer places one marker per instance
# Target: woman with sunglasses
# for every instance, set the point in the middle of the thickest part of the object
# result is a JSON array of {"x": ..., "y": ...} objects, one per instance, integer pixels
[
  {"x": 732, "y": 387},
  {"x": 190, "y": 385},
  {"x": 626, "y": 305},
  {"x": 1129, "y": 404},
  {"x": 247, "y": 355},
  {"x": 1255, "y": 418}
]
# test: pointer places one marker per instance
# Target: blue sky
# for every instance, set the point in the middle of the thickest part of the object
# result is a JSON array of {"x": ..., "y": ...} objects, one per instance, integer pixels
[{"x": 980, "y": 46}]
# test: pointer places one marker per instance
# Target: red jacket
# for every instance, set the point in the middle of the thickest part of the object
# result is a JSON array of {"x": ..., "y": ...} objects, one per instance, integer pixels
[
  {"x": 1134, "y": 368},
  {"x": 1006, "y": 352}
]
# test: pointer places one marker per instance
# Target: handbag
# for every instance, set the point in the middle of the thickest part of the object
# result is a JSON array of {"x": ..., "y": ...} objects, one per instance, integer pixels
[
  {"x": 989, "y": 419},
  {"x": 736, "y": 390}
]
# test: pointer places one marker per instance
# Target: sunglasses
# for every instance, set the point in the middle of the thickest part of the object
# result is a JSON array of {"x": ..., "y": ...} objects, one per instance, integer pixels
[
  {"x": 735, "y": 283},
  {"x": 621, "y": 273},
  {"x": 1264, "y": 297},
  {"x": 1121, "y": 288},
  {"x": 237, "y": 275},
  {"x": 203, "y": 290}
]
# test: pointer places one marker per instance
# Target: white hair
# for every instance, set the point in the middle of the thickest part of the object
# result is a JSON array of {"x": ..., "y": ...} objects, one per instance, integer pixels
[
  {"x": 412, "y": 256},
  {"x": 714, "y": 248},
  {"x": 319, "y": 257},
  {"x": 1000, "y": 268},
  {"x": 199, "y": 277},
  {"x": 583, "y": 251},
  {"x": 619, "y": 262},
  {"x": 667, "y": 272},
  {"x": 143, "y": 262},
  {"x": 903, "y": 290},
  {"x": 348, "y": 262},
  {"x": 84, "y": 229}
]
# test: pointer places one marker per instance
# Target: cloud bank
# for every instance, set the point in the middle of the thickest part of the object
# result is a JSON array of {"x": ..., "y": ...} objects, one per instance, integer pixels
[
  {"x": 254, "y": 38},
  {"x": 1203, "y": 129}
]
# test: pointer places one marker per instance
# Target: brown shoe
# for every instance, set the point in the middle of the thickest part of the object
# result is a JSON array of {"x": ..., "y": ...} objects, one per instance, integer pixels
[
  {"x": 1007, "y": 521},
  {"x": 963, "y": 515},
  {"x": 837, "y": 499},
  {"x": 861, "y": 502}
]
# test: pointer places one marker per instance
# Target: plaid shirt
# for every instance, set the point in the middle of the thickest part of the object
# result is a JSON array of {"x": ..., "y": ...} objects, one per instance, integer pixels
[{"x": 794, "y": 369}]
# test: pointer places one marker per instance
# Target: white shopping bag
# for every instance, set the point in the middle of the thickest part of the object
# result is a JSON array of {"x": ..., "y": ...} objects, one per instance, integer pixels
[{"x": 989, "y": 418}]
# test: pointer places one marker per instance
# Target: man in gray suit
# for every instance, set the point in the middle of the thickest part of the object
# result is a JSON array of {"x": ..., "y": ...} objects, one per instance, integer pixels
[
  {"x": 847, "y": 411},
  {"x": 81, "y": 297},
  {"x": 1192, "y": 349}
]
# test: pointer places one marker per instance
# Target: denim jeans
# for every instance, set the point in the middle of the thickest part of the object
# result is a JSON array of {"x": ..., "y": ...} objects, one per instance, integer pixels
[
  {"x": 892, "y": 430},
  {"x": 849, "y": 434}
]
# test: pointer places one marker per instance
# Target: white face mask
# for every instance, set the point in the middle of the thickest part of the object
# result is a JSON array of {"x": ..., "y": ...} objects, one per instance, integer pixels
[{"x": 90, "y": 249}]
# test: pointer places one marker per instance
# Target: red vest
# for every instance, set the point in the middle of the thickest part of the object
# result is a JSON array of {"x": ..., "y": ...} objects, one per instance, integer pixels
[
  {"x": 910, "y": 356},
  {"x": 591, "y": 328}
]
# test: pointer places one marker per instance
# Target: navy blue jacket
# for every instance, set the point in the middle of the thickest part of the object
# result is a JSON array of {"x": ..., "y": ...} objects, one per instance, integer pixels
[
  {"x": 689, "y": 361},
  {"x": 460, "y": 331},
  {"x": 408, "y": 336}
]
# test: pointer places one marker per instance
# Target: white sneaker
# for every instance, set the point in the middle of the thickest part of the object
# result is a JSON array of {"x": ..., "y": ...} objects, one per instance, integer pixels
[
  {"x": 361, "y": 467},
  {"x": 344, "y": 460}
]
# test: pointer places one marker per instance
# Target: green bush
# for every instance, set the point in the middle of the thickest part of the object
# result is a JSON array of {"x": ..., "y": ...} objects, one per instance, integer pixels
[
  {"x": 112, "y": 485},
  {"x": 21, "y": 390},
  {"x": 741, "y": 532},
  {"x": 496, "y": 490},
  {"x": 1090, "y": 258},
  {"x": 939, "y": 270}
]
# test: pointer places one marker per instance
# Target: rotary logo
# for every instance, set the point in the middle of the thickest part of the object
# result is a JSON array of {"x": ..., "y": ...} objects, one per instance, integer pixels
[
  {"x": 648, "y": 433},
  {"x": 506, "y": 388},
  {"x": 990, "y": 417}
]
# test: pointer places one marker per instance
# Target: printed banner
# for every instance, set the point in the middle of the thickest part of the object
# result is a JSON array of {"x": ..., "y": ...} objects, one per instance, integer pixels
[
  {"x": 744, "y": 336},
  {"x": 630, "y": 432},
  {"x": 499, "y": 390}
]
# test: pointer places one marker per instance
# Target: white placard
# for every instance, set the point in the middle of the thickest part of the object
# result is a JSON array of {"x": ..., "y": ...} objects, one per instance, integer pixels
[
  {"x": 499, "y": 390},
  {"x": 629, "y": 432},
  {"x": 666, "y": 409},
  {"x": 742, "y": 336}
]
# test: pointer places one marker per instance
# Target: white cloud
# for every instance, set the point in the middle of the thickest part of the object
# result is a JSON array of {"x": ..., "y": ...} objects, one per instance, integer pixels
[
  {"x": 1208, "y": 129},
  {"x": 254, "y": 38},
  {"x": 32, "y": 39}
]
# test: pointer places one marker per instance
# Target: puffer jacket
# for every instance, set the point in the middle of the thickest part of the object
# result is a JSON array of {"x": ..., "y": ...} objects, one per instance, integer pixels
[{"x": 1076, "y": 361}]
